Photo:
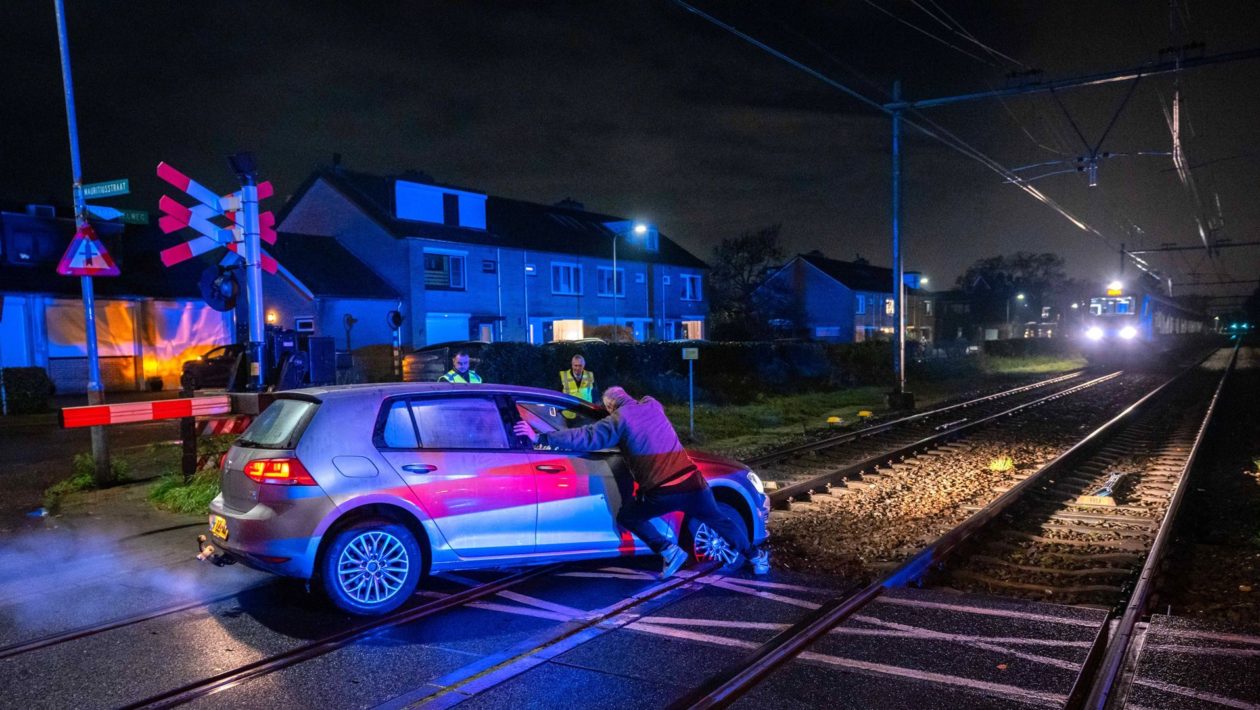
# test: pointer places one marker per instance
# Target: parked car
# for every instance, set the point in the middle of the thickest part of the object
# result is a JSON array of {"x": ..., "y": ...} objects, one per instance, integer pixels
[
  {"x": 217, "y": 369},
  {"x": 365, "y": 489}
]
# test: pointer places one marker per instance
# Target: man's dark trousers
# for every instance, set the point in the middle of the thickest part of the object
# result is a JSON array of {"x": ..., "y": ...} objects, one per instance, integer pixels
[{"x": 636, "y": 516}]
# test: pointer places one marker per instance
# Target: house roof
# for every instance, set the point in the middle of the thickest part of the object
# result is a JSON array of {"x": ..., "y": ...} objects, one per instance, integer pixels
[
  {"x": 321, "y": 263},
  {"x": 856, "y": 275},
  {"x": 509, "y": 223},
  {"x": 327, "y": 268}
]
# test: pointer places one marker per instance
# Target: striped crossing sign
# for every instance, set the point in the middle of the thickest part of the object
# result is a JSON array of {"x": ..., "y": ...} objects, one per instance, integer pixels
[{"x": 199, "y": 217}]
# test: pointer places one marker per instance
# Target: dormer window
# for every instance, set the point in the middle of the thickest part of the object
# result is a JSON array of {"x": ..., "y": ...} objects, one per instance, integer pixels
[{"x": 439, "y": 205}]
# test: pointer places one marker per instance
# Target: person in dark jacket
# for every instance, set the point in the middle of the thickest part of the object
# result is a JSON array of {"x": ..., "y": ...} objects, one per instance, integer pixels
[{"x": 668, "y": 479}]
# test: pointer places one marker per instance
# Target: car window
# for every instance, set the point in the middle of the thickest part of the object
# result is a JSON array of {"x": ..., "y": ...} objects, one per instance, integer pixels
[
  {"x": 279, "y": 425},
  {"x": 459, "y": 423},
  {"x": 550, "y": 416},
  {"x": 399, "y": 432},
  {"x": 217, "y": 352}
]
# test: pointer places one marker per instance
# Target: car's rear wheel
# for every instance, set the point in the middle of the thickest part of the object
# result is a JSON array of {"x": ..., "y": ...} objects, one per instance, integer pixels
[
  {"x": 371, "y": 567},
  {"x": 707, "y": 544}
]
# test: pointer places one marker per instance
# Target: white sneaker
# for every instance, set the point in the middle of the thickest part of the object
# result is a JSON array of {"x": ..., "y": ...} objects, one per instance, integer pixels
[
  {"x": 760, "y": 562},
  {"x": 673, "y": 557}
]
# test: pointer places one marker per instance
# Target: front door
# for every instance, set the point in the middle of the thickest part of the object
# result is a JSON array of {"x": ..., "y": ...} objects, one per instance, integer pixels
[
  {"x": 455, "y": 455},
  {"x": 579, "y": 494}
]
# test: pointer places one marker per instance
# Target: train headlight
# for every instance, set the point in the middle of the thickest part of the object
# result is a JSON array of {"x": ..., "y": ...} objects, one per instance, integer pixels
[
  {"x": 1094, "y": 333},
  {"x": 1128, "y": 332}
]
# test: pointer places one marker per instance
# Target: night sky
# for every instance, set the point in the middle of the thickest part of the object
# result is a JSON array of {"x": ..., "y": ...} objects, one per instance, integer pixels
[{"x": 645, "y": 110}]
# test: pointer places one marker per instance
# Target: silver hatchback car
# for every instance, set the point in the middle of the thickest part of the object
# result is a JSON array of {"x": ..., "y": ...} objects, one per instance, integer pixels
[{"x": 365, "y": 489}]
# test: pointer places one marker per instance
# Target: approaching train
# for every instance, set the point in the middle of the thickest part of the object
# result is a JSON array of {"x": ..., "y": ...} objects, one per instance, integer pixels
[{"x": 1131, "y": 319}]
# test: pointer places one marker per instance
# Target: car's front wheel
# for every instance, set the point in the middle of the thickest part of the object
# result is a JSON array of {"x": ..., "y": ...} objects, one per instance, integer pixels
[
  {"x": 371, "y": 567},
  {"x": 707, "y": 544}
]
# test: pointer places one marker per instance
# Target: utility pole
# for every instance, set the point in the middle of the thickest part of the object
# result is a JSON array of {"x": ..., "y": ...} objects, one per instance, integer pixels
[
  {"x": 898, "y": 398},
  {"x": 103, "y": 473}
]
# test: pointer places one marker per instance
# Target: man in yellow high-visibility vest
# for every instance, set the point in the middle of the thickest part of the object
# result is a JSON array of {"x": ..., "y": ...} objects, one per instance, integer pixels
[{"x": 577, "y": 380}]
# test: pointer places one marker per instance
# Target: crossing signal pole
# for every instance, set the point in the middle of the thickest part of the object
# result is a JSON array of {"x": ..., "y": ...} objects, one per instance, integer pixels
[{"x": 102, "y": 471}]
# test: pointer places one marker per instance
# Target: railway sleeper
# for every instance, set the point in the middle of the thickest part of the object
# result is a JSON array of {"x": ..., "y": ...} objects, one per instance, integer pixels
[
  {"x": 1047, "y": 590},
  {"x": 1142, "y": 532},
  {"x": 1068, "y": 542},
  {"x": 1119, "y": 558},
  {"x": 1036, "y": 569}
]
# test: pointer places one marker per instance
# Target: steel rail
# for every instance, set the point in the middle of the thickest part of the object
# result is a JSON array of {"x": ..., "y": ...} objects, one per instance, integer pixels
[
  {"x": 319, "y": 647},
  {"x": 723, "y": 688},
  {"x": 788, "y": 493},
  {"x": 1121, "y": 637},
  {"x": 807, "y": 447},
  {"x": 77, "y": 633},
  {"x": 498, "y": 668}
]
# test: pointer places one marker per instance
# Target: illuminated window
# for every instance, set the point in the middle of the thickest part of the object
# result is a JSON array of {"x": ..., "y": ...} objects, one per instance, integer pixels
[
  {"x": 604, "y": 278},
  {"x": 691, "y": 287},
  {"x": 888, "y": 306},
  {"x": 443, "y": 272},
  {"x": 693, "y": 329},
  {"x": 927, "y": 307},
  {"x": 566, "y": 330},
  {"x": 566, "y": 279}
]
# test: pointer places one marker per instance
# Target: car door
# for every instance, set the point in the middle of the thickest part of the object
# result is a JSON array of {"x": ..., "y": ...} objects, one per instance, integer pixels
[
  {"x": 457, "y": 458},
  {"x": 579, "y": 494}
]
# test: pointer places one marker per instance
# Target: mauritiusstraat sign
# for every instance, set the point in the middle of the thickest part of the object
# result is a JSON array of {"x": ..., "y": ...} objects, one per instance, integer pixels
[{"x": 110, "y": 188}]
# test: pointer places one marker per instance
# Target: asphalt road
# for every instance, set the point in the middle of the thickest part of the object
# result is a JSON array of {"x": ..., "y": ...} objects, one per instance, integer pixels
[{"x": 35, "y": 452}]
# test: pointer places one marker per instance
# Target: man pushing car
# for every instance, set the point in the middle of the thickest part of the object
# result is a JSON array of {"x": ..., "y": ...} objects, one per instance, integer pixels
[{"x": 668, "y": 480}]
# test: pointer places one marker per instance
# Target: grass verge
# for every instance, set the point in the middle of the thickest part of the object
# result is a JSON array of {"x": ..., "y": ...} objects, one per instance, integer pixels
[
  {"x": 193, "y": 497},
  {"x": 1032, "y": 365},
  {"x": 82, "y": 479}
]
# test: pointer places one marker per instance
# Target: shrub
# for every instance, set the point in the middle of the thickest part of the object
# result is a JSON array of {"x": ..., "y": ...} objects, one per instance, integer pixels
[
  {"x": 27, "y": 389},
  {"x": 193, "y": 498}
]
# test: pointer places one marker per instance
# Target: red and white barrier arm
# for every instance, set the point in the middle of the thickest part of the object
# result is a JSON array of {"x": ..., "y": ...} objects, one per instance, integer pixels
[{"x": 131, "y": 412}]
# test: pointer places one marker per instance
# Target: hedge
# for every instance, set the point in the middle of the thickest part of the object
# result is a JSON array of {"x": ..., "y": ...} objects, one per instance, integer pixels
[
  {"x": 726, "y": 373},
  {"x": 26, "y": 389}
]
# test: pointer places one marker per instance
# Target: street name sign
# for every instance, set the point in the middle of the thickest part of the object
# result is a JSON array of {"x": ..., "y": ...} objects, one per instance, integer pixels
[{"x": 109, "y": 188}]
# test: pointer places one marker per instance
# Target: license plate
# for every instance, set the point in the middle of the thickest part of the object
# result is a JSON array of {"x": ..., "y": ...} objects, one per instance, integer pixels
[{"x": 218, "y": 527}]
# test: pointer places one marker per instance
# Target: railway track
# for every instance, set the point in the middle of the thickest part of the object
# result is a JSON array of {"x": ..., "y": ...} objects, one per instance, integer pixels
[
  {"x": 802, "y": 471},
  {"x": 1124, "y": 542}
]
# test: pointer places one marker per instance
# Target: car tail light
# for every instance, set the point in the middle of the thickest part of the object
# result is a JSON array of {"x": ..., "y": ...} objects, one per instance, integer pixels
[{"x": 285, "y": 472}]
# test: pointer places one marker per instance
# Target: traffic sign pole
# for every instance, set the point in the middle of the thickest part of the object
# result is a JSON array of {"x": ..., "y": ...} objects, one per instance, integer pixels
[{"x": 95, "y": 393}]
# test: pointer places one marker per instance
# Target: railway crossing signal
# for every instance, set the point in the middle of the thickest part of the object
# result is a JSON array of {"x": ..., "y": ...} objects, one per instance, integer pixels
[{"x": 242, "y": 235}]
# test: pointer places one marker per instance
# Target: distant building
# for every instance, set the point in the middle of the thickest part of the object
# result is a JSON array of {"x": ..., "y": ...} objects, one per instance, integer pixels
[
  {"x": 151, "y": 318},
  {"x": 842, "y": 301},
  {"x": 468, "y": 265}
]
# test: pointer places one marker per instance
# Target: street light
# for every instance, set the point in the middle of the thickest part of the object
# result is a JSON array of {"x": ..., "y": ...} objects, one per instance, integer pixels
[
  {"x": 1018, "y": 297},
  {"x": 638, "y": 229}
]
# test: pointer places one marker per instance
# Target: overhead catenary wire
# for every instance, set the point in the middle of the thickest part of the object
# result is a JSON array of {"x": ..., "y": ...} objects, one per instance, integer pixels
[
  {"x": 921, "y": 124},
  {"x": 922, "y": 31},
  {"x": 961, "y": 31}
]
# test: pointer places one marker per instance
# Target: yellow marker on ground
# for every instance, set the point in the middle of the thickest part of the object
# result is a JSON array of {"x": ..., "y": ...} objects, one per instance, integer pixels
[{"x": 865, "y": 414}]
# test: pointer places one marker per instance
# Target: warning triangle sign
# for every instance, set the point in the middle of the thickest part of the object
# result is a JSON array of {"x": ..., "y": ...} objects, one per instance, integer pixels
[{"x": 86, "y": 256}]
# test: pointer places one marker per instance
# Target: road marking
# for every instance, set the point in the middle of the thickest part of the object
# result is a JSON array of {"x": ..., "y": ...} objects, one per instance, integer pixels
[
  {"x": 971, "y": 684},
  {"x": 568, "y": 611},
  {"x": 1197, "y": 694},
  {"x": 988, "y": 612},
  {"x": 974, "y": 642},
  {"x": 1210, "y": 635},
  {"x": 521, "y": 611},
  {"x": 724, "y": 584},
  {"x": 780, "y": 585},
  {"x": 1202, "y": 650}
]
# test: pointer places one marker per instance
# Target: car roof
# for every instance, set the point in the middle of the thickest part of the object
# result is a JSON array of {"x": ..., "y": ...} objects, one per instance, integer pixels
[{"x": 390, "y": 389}]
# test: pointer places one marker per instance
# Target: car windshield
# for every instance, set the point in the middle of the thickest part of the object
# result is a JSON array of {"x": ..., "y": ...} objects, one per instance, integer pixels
[{"x": 279, "y": 425}]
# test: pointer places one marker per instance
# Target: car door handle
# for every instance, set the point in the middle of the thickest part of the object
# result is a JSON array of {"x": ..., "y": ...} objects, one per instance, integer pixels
[
  {"x": 419, "y": 468},
  {"x": 549, "y": 468}
]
